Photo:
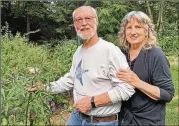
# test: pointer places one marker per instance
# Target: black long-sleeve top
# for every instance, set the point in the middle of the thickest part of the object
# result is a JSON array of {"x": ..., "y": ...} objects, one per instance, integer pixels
[{"x": 152, "y": 67}]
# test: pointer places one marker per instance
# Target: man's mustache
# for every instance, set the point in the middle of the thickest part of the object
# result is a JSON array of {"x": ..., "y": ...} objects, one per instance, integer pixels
[{"x": 84, "y": 27}]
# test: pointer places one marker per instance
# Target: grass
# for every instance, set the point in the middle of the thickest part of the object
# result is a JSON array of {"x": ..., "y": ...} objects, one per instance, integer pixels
[{"x": 172, "y": 111}]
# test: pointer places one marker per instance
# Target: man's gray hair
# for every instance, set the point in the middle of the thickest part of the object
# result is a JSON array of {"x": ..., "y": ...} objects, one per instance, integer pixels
[
  {"x": 86, "y": 7},
  {"x": 143, "y": 20}
]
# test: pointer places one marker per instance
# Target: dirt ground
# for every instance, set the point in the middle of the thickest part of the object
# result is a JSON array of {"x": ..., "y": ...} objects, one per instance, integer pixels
[
  {"x": 62, "y": 113},
  {"x": 60, "y": 118}
]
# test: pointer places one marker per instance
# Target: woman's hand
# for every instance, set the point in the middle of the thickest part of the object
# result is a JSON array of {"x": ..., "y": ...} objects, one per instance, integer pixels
[{"x": 129, "y": 76}]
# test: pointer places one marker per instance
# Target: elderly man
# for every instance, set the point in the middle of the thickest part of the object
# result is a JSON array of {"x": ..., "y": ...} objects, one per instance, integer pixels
[{"x": 97, "y": 91}]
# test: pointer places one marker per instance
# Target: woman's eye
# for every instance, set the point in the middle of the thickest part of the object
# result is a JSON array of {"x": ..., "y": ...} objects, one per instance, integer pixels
[
  {"x": 138, "y": 26},
  {"x": 129, "y": 27}
]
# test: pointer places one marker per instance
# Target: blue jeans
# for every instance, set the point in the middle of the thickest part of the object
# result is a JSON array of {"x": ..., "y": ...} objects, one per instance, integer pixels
[{"x": 76, "y": 119}]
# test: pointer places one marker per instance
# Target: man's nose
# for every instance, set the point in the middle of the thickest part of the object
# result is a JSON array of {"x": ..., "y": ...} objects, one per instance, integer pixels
[{"x": 84, "y": 21}]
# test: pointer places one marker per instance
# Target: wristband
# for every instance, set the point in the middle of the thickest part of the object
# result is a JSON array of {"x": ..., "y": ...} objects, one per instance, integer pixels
[{"x": 92, "y": 102}]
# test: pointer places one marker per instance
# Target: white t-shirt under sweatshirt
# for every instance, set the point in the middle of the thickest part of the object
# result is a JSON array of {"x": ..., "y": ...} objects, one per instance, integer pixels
[{"x": 93, "y": 72}]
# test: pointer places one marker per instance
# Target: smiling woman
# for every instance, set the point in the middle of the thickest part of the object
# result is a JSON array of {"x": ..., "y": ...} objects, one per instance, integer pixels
[{"x": 149, "y": 72}]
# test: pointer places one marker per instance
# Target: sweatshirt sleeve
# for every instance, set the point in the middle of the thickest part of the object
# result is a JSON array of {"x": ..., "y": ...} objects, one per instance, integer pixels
[
  {"x": 161, "y": 76},
  {"x": 121, "y": 91},
  {"x": 63, "y": 84}
]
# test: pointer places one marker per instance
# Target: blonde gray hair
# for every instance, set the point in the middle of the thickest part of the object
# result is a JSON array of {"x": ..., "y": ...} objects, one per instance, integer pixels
[{"x": 143, "y": 19}]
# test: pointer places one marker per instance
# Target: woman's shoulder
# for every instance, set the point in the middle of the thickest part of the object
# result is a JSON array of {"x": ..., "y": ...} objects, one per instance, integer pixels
[{"x": 156, "y": 52}]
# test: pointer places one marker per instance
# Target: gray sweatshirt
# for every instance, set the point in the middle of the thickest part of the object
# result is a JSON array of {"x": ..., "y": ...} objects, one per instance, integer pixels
[{"x": 93, "y": 72}]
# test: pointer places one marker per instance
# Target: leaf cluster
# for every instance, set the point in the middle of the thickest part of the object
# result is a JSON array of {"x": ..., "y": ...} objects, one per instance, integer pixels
[{"x": 19, "y": 107}]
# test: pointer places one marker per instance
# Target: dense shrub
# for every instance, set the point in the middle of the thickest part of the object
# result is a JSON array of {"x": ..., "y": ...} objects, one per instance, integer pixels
[
  {"x": 169, "y": 45},
  {"x": 18, "y": 57}
]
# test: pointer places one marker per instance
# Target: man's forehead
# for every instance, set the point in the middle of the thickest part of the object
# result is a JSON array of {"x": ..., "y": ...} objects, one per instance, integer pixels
[{"x": 83, "y": 11}]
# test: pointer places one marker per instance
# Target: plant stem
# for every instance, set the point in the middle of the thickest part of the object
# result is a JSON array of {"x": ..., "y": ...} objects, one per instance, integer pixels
[
  {"x": 27, "y": 109},
  {"x": 30, "y": 95}
]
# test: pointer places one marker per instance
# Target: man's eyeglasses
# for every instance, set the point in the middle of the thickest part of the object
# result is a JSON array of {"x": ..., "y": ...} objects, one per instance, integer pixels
[{"x": 80, "y": 20}]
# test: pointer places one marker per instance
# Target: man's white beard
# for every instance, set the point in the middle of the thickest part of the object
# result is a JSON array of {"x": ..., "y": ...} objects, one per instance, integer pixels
[{"x": 86, "y": 37}]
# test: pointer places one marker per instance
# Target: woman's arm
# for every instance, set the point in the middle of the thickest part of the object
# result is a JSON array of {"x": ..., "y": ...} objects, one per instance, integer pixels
[{"x": 131, "y": 78}]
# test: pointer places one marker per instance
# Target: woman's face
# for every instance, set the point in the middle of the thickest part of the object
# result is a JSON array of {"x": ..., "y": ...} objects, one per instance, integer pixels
[{"x": 135, "y": 32}]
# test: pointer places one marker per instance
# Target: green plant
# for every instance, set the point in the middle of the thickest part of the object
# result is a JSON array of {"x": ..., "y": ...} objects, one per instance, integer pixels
[
  {"x": 172, "y": 107},
  {"x": 169, "y": 44}
]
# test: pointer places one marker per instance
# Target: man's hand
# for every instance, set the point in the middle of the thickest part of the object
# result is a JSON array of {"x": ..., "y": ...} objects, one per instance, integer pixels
[
  {"x": 84, "y": 105},
  {"x": 36, "y": 87}
]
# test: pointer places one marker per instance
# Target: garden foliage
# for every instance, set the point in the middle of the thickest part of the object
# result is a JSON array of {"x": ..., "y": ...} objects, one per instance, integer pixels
[{"x": 19, "y": 59}]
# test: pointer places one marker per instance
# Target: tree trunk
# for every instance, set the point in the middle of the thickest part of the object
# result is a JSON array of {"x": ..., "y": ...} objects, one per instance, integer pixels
[
  {"x": 149, "y": 10},
  {"x": 28, "y": 26},
  {"x": 160, "y": 17},
  {"x": 9, "y": 6}
]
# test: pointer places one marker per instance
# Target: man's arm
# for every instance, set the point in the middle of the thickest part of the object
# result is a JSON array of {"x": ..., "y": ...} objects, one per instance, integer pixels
[{"x": 65, "y": 83}]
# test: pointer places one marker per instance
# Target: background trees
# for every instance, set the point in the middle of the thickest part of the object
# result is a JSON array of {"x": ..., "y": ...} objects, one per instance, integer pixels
[{"x": 51, "y": 21}]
